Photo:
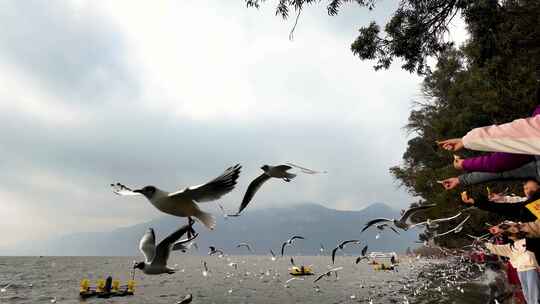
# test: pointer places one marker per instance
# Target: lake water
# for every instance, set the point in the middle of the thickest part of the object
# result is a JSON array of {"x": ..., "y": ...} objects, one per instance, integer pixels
[{"x": 258, "y": 279}]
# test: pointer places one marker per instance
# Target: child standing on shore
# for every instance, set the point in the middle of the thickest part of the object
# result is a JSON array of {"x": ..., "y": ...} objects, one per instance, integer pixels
[{"x": 526, "y": 265}]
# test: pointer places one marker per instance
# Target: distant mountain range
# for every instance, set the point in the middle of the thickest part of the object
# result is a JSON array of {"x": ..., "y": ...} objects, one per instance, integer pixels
[{"x": 264, "y": 228}]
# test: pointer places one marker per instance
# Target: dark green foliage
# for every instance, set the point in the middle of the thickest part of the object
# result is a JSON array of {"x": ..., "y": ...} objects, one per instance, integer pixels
[{"x": 492, "y": 79}]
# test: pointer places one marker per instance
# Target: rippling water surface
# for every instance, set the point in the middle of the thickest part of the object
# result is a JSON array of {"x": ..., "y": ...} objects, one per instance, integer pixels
[{"x": 258, "y": 279}]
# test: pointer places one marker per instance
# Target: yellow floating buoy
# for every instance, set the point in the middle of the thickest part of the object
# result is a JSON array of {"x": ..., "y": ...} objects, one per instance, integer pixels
[
  {"x": 301, "y": 270},
  {"x": 106, "y": 288}
]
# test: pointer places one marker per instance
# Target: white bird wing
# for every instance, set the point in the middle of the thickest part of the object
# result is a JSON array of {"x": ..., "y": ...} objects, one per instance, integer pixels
[
  {"x": 413, "y": 210},
  {"x": 446, "y": 219},
  {"x": 251, "y": 190},
  {"x": 123, "y": 190},
  {"x": 458, "y": 227},
  {"x": 418, "y": 224},
  {"x": 147, "y": 245},
  {"x": 163, "y": 249},
  {"x": 212, "y": 190},
  {"x": 306, "y": 170}
]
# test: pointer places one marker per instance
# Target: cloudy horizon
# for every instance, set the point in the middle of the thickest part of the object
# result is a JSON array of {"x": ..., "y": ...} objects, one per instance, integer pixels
[{"x": 172, "y": 93}]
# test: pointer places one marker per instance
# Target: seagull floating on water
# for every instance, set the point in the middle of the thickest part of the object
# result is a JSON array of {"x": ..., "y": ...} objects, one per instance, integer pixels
[{"x": 186, "y": 300}]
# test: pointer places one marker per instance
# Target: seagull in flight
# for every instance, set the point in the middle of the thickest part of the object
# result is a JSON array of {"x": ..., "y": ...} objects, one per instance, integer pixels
[
  {"x": 247, "y": 245},
  {"x": 363, "y": 256},
  {"x": 327, "y": 274},
  {"x": 456, "y": 229},
  {"x": 213, "y": 251},
  {"x": 401, "y": 222},
  {"x": 341, "y": 246},
  {"x": 184, "y": 245},
  {"x": 432, "y": 224},
  {"x": 156, "y": 256},
  {"x": 279, "y": 171},
  {"x": 183, "y": 203},
  {"x": 290, "y": 242}
]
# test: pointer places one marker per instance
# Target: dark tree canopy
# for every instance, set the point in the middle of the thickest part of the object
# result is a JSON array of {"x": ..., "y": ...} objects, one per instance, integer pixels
[
  {"x": 415, "y": 31},
  {"x": 492, "y": 79}
]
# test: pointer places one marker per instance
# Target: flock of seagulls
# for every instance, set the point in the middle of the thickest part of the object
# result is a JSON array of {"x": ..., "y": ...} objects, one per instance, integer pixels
[{"x": 184, "y": 203}]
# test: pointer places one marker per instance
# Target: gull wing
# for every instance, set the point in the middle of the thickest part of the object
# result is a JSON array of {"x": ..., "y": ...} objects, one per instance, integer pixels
[
  {"x": 283, "y": 248},
  {"x": 244, "y": 245},
  {"x": 446, "y": 219},
  {"x": 358, "y": 259},
  {"x": 296, "y": 237},
  {"x": 163, "y": 249},
  {"x": 334, "y": 254},
  {"x": 252, "y": 189},
  {"x": 375, "y": 221},
  {"x": 180, "y": 245},
  {"x": 214, "y": 189},
  {"x": 394, "y": 229},
  {"x": 305, "y": 170},
  {"x": 282, "y": 167},
  {"x": 347, "y": 242},
  {"x": 147, "y": 245},
  {"x": 455, "y": 229},
  {"x": 418, "y": 224},
  {"x": 413, "y": 210},
  {"x": 322, "y": 275}
]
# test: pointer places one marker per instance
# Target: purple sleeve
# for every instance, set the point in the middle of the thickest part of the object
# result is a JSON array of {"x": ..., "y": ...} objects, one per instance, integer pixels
[{"x": 498, "y": 161}]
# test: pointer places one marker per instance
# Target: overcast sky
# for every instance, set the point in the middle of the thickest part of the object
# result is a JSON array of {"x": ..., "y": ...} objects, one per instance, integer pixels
[{"x": 171, "y": 93}]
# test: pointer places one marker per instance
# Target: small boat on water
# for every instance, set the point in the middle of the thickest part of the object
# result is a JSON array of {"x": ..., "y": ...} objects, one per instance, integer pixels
[
  {"x": 106, "y": 288},
  {"x": 301, "y": 270}
]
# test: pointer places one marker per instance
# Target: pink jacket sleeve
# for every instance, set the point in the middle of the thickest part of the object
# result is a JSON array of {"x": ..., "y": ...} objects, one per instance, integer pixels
[{"x": 519, "y": 136}]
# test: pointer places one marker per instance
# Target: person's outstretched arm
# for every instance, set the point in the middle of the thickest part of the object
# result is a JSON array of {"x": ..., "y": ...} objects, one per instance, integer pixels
[
  {"x": 520, "y": 136},
  {"x": 524, "y": 172}
]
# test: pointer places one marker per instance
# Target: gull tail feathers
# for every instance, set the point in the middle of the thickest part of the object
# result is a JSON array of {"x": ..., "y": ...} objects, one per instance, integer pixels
[{"x": 207, "y": 219}]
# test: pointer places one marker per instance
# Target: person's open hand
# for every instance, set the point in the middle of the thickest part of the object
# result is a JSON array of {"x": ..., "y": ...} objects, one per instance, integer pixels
[
  {"x": 495, "y": 230},
  {"x": 458, "y": 162},
  {"x": 454, "y": 144},
  {"x": 449, "y": 183},
  {"x": 466, "y": 198}
]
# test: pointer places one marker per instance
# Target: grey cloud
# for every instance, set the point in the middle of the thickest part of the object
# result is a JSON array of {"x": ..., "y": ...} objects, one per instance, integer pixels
[
  {"x": 61, "y": 172},
  {"x": 77, "y": 55}
]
